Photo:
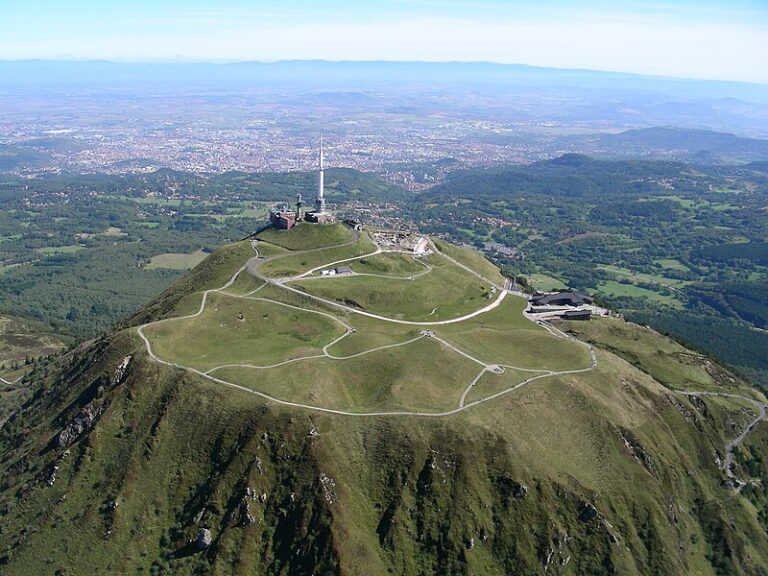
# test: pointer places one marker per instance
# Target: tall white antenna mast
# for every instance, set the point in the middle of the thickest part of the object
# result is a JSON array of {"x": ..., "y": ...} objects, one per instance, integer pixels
[{"x": 320, "y": 203}]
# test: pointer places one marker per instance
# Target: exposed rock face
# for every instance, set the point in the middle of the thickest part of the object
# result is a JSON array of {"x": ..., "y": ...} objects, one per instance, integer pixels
[
  {"x": 81, "y": 423},
  {"x": 246, "y": 515},
  {"x": 589, "y": 512},
  {"x": 120, "y": 371},
  {"x": 638, "y": 452},
  {"x": 204, "y": 539},
  {"x": 699, "y": 404},
  {"x": 520, "y": 491},
  {"x": 91, "y": 412}
]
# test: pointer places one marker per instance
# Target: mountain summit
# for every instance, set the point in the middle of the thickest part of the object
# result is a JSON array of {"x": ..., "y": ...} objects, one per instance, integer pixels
[{"x": 325, "y": 400}]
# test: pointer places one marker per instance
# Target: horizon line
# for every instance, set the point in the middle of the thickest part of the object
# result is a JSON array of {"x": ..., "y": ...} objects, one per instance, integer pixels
[{"x": 230, "y": 62}]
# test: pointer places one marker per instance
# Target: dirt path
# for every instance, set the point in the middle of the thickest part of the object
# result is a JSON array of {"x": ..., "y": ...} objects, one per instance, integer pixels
[{"x": 252, "y": 267}]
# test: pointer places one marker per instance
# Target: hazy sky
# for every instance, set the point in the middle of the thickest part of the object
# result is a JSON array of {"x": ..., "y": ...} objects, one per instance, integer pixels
[{"x": 723, "y": 39}]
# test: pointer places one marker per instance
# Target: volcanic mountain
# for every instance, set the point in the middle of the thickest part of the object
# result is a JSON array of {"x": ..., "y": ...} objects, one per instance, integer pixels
[{"x": 330, "y": 401}]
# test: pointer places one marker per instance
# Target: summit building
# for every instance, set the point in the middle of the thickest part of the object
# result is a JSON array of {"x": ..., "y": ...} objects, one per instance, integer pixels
[{"x": 283, "y": 218}]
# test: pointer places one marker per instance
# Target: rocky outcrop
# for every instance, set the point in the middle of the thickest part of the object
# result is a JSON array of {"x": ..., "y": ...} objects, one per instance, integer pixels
[
  {"x": 588, "y": 513},
  {"x": 80, "y": 424},
  {"x": 88, "y": 415},
  {"x": 204, "y": 539}
]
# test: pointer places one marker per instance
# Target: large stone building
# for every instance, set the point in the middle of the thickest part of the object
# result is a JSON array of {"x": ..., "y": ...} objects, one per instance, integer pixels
[{"x": 282, "y": 219}]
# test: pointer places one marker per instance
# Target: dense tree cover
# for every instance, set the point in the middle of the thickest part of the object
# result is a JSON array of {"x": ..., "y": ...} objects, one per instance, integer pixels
[
  {"x": 756, "y": 252},
  {"x": 74, "y": 249}
]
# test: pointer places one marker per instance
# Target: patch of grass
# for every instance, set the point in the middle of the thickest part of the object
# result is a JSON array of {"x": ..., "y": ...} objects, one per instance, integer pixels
[
  {"x": 113, "y": 231},
  {"x": 370, "y": 334},
  {"x": 503, "y": 336},
  {"x": 177, "y": 261},
  {"x": 447, "y": 292},
  {"x": 420, "y": 376},
  {"x": 661, "y": 357},
  {"x": 672, "y": 264},
  {"x": 183, "y": 297},
  {"x": 472, "y": 259},
  {"x": 233, "y": 330},
  {"x": 545, "y": 283},
  {"x": 642, "y": 277},
  {"x": 492, "y": 383},
  {"x": 305, "y": 236},
  {"x": 619, "y": 289},
  {"x": 390, "y": 264},
  {"x": 50, "y": 250},
  {"x": 294, "y": 264},
  {"x": 266, "y": 249}
]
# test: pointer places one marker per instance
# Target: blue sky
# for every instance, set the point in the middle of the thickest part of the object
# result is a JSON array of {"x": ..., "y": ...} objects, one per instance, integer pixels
[{"x": 703, "y": 39}]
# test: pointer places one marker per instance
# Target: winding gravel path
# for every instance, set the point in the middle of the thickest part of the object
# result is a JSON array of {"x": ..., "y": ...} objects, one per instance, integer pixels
[{"x": 252, "y": 267}]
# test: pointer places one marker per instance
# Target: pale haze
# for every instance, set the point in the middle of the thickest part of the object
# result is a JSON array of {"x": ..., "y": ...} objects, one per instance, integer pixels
[{"x": 711, "y": 40}]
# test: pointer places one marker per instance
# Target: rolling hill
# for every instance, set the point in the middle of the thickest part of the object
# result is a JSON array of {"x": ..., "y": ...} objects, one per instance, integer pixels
[{"x": 399, "y": 417}]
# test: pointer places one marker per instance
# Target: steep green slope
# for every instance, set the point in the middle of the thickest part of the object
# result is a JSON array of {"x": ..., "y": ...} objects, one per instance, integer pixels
[{"x": 119, "y": 463}]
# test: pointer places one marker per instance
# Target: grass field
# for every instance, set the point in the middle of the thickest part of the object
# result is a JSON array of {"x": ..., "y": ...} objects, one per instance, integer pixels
[
  {"x": 491, "y": 383},
  {"x": 392, "y": 264},
  {"x": 113, "y": 231},
  {"x": 473, "y": 259},
  {"x": 505, "y": 337},
  {"x": 666, "y": 360},
  {"x": 176, "y": 261},
  {"x": 614, "y": 288},
  {"x": 305, "y": 236},
  {"x": 358, "y": 375},
  {"x": 49, "y": 250},
  {"x": 672, "y": 264},
  {"x": 267, "y": 334},
  {"x": 446, "y": 292},
  {"x": 421, "y": 376},
  {"x": 545, "y": 283},
  {"x": 642, "y": 277},
  {"x": 294, "y": 264}
]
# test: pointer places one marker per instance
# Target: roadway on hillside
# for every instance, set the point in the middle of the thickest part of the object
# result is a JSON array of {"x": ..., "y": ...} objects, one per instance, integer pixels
[{"x": 251, "y": 266}]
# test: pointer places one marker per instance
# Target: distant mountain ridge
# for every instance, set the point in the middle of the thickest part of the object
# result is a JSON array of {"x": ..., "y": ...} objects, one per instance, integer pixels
[
  {"x": 19, "y": 73},
  {"x": 674, "y": 143}
]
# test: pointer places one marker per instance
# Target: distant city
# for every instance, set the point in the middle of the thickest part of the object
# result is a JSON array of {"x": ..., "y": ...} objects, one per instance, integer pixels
[{"x": 411, "y": 135}]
